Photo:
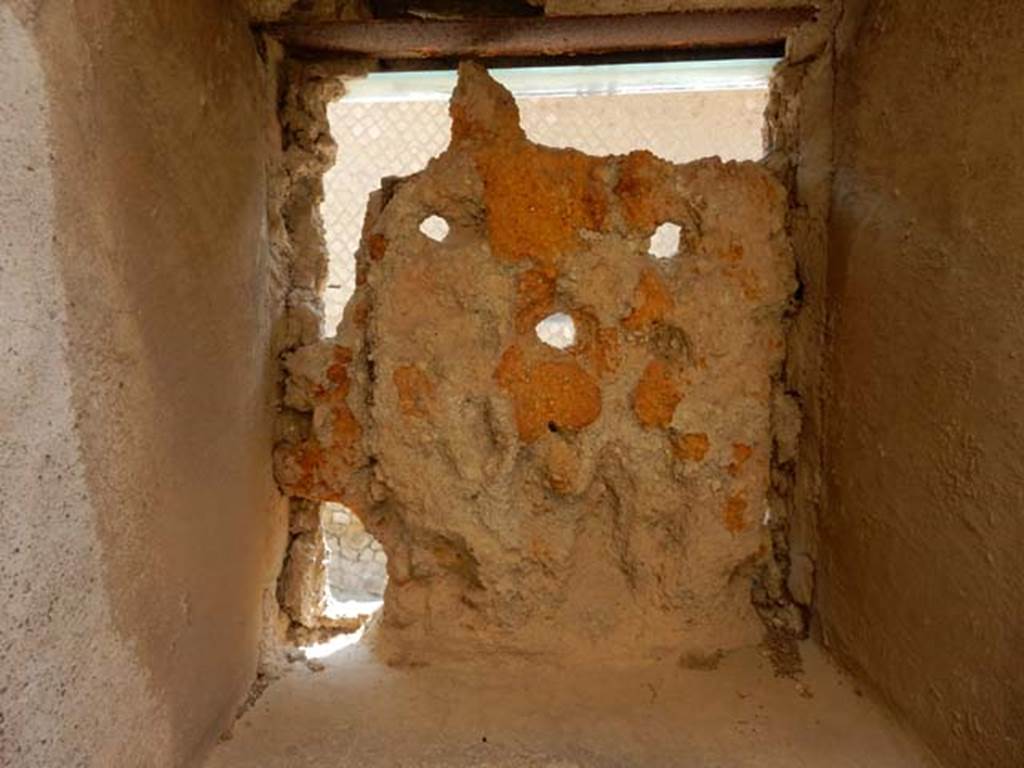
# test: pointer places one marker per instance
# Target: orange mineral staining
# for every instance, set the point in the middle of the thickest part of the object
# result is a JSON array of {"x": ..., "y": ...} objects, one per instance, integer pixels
[
  {"x": 651, "y": 302},
  {"x": 538, "y": 200},
  {"x": 488, "y": 541},
  {"x": 733, "y": 514},
  {"x": 309, "y": 458},
  {"x": 642, "y": 190},
  {"x": 345, "y": 432},
  {"x": 535, "y": 298},
  {"x": 733, "y": 253},
  {"x": 549, "y": 395},
  {"x": 378, "y": 246},
  {"x": 598, "y": 348},
  {"x": 361, "y": 313},
  {"x": 415, "y": 392},
  {"x": 510, "y": 370},
  {"x": 740, "y": 453},
  {"x": 337, "y": 371},
  {"x": 692, "y": 446},
  {"x": 656, "y": 395},
  {"x": 312, "y": 471},
  {"x": 337, "y": 447}
]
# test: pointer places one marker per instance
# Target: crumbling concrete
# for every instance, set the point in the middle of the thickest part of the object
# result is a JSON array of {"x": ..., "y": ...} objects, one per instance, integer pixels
[
  {"x": 300, "y": 258},
  {"x": 798, "y": 144},
  {"x": 609, "y": 498}
]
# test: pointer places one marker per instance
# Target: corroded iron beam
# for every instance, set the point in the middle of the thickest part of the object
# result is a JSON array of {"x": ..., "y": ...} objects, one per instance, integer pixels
[{"x": 550, "y": 36}]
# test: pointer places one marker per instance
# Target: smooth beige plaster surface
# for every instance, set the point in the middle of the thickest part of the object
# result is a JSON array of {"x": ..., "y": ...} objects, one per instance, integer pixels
[
  {"x": 922, "y": 544},
  {"x": 136, "y": 496},
  {"x": 516, "y": 713}
]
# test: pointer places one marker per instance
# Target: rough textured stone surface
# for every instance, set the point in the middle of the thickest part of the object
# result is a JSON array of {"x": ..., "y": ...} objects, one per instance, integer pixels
[
  {"x": 296, "y": 236},
  {"x": 531, "y": 498},
  {"x": 798, "y": 142},
  {"x": 302, "y": 587}
]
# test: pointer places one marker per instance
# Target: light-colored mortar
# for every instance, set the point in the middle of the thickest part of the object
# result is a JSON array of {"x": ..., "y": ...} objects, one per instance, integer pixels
[{"x": 300, "y": 258}]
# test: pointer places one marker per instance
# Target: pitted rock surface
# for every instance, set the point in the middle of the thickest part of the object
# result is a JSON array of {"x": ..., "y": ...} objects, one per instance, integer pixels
[{"x": 610, "y": 495}]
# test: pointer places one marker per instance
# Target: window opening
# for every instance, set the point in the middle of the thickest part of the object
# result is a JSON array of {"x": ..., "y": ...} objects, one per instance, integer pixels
[{"x": 393, "y": 123}]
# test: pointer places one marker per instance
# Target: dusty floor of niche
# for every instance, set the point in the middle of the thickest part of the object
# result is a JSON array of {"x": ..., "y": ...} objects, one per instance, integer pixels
[{"x": 514, "y": 714}]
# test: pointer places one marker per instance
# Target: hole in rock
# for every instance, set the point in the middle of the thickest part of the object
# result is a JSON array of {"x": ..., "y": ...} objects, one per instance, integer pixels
[
  {"x": 665, "y": 241},
  {"x": 392, "y": 123},
  {"x": 356, "y": 565},
  {"x": 557, "y": 330},
  {"x": 434, "y": 227}
]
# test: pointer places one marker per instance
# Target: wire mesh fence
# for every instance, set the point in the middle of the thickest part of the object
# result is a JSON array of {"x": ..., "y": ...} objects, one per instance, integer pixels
[{"x": 396, "y": 138}]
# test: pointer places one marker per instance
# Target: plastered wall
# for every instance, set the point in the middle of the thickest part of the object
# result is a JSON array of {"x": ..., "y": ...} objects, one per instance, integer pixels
[
  {"x": 137, "y": 503},
  {"x": 922, "y": 544}
]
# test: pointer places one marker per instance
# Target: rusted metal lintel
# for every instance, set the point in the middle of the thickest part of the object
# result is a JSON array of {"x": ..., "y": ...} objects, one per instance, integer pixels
[{"x": 550, "y": 36}]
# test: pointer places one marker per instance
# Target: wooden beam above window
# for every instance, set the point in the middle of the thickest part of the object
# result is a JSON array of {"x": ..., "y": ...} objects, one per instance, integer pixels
[{"x": 549, "y": 36}]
